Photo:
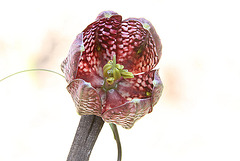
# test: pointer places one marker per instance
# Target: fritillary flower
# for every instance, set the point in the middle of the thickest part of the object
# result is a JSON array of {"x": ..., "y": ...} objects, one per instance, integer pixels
[{"x": 110, "y": 69}]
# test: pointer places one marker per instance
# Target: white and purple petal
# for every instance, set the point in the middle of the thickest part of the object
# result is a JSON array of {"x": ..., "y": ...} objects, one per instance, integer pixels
[
  {"x": 70, "y": 65},
  {"x": 127, "y": 114},
  {"x": 85, "y": 97}
]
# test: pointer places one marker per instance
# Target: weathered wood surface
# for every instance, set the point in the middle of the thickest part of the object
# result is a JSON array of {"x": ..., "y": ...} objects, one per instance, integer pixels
[{"x": 86, "y": 135}]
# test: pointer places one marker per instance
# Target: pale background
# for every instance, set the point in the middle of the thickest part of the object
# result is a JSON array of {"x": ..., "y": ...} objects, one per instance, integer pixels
[{"x": 197, "y": 118}]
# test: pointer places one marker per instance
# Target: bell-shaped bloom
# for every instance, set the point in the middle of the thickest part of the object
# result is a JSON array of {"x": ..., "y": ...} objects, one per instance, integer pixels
[{"x": 110, "y": 69}]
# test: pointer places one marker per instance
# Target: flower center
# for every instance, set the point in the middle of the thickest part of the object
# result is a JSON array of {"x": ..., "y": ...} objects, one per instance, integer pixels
[{"x": 112, "y": 72}]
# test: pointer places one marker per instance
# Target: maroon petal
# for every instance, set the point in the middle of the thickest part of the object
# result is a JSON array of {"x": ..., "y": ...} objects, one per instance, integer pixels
[
  {"x": 141, "y": 86},
  {"x": 99, "y": 39},
  {"x": 78, "y": 65},
  {"x": 138, "y": 45},
  {"x": 90, "y": 59},
  {"x": 154, "y": 34},
  {"x": 107, "y": 36},
  {"x": 127, "y": 114},
  {"x": 70, "y": 64},
  {"x": 157, "y": 88},
  {"x": 113, "y": 99},
  {"x": 85, "y": 97}
]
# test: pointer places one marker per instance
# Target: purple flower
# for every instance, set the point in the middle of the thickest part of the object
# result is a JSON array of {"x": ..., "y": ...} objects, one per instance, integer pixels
[{"x": 110, "y": 69}]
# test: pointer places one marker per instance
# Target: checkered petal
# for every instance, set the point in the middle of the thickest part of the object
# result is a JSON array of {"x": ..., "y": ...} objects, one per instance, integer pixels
[
  {"x": 85, "y": 97},
  {"x": 127, "y": 114},
  {"x": 138, "y": 45}
]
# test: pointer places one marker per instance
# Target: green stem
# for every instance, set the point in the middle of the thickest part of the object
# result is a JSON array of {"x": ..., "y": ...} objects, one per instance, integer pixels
[
  {"x": 31, "y": 70},
  {"x": 116, "y": 137}
]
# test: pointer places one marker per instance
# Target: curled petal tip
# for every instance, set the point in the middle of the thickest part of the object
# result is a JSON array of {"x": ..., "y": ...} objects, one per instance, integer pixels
[
  {"x": 157, "y": 88},
  {"x": 106, "y": 14}
]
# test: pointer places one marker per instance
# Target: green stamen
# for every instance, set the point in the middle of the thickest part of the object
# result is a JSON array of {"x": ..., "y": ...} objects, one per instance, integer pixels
[
  {"x": 116, "y": 74},
  {"x": 110, "y": 80},
  {"x": 106, "y": 69},
  {"x": 126, "y": 74},
  {"x": 113, "y": 71},
  {"x": 120, "y": 67}
]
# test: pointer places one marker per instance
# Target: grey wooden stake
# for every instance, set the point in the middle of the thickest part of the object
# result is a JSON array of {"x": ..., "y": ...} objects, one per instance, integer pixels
[{"x": 87, "y": 133}]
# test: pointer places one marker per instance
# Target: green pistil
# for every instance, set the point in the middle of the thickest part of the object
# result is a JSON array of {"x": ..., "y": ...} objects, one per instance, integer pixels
[
  {"x": 113, "y": 71},
  {"x": 114, "y": 61}
]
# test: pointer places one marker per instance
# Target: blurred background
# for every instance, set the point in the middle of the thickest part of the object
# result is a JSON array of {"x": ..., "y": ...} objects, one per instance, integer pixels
[{"x": 197, "y": 117}]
